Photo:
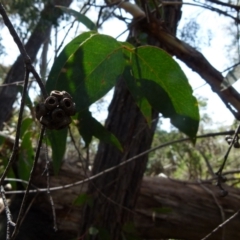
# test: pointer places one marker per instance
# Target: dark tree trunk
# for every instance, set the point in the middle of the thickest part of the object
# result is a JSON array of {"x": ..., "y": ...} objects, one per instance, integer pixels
[
  {"x": 49, "y": 16},
  {"x": 115, "y": 194}
]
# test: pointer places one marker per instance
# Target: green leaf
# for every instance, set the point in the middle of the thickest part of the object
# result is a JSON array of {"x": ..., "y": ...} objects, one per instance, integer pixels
[
  {"x": 162, "y": 210},
  {"x": 80, "y": 17},
  {"x": 83, "y": 199},
  {"x": 129, "y": 231},
  {"x": 93, "y": 231},
  {"x": 162, "y": 82},
  {"x": 89, "y": 127},
  {"x": 26, "y": 123},
  {"x": 57, "y": 139},
  {"x": 139, "y": 98},
  {"x": 87, "y": 68},
  {"x": 26, "y": 156},
  {"x": 58, "y": 64},
  {"x": 27, "y": 99},
  {"x": 135, "y": 90}
]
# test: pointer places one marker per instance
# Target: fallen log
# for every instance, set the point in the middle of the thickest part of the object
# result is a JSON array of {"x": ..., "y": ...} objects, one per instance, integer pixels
[{"x": 166, "y": 209}]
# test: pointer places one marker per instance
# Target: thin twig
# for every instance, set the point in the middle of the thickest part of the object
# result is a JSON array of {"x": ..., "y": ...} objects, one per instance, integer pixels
[
  {"x": 91, "y": 182},
  {"x": 16, "y": 142},
  {"x": 22, "y": 208},
  {"x": 14, "y": 34},
  {"x": 49, "y": 192},
  {"x": 236, "y": 7},
  {"x": 22, "y": 49},
  {"x": 209, "y": 167},
  {"x": 219, "y": 206},
  {"x": 123, "y": 163},
  {"x": 8, "y": 213},
  {"x": 14, "y": 83},
  {"x": 219, "y": 172},
  {"x": 221, "y": 225}
]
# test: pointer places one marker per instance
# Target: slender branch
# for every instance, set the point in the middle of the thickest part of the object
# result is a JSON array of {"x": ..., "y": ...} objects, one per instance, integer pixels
[
  {"x": 221, "y": 225},
  {"x": 123, "y": 163},
  {"x": 229, "y": 149},
  {"x": 208, "y": 7},
  {"x": 16, "y": 142},
  {"x": 12, "y": 31},
  {"x": 219, "y": 172},
  {"x": 22, "y": 208},
  {"x": 219, "y": 206},
  {"x": 49, "y": 192},
  {"x": 194, "y": 60},
  {"x": 236, "y": 7},
  {"x": 22, "y": 49},
  {"x": 210, "y": 169},
  {"x": 8, "y": 213}
]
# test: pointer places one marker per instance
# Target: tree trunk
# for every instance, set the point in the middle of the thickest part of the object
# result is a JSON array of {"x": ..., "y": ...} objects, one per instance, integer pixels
[
  {"x": 8, "y": 94},
  {"x": 115, "y": 194}
]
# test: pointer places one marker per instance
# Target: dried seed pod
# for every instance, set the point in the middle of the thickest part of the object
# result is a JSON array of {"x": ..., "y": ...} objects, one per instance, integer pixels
[
  {"x": 40, "y": 110},
  {"x": 51, "y": 102},
  {"x": 57, "y": 94},
  {"x": 66, "y": 95},
  {"x": 58, "y": 115},
  {"x": 68, "y": 106},
  {"x": 64, "y": 123}
]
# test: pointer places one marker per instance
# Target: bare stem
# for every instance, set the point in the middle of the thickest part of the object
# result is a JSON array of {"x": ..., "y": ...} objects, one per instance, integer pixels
[
  {"x": 22, "y": 208},
  {"x": 16, "y": 142},
  {"x": 17, "y": 40}
]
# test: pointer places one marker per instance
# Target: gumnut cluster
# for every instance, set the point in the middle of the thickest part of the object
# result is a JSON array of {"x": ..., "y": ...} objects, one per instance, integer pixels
[
  {"x": 56, "y": 111},
  {"x": 236, "y": 143}
]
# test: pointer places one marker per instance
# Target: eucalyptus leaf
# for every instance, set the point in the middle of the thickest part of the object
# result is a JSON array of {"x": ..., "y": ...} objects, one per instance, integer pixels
[
  {"x": 57, "y": 139},
  {"x": 87, "y": 68},
  {"x": 133, "y": 86},
  {"x": 162, "y": 82},
  {"x": 26, "y": 156},
  {"x": 80, "y": 17},
  {"x": 89, "y": 127}
]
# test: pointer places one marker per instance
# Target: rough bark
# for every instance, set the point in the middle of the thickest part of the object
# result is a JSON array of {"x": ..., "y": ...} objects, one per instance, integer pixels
[
  {"x": 121, "y": 186},
  {"x": 195, "y": 210},
  {"x": 8, "y": 94}
]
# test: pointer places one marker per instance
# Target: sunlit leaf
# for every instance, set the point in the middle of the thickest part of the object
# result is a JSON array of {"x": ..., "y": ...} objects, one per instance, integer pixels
[
  {"x": 162, "y": 82},
  {"x": 132, "y": 85},
  {"x": 90, "y": 71}
]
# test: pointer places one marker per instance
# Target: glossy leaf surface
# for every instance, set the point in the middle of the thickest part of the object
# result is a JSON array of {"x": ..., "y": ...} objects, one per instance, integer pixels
[
  {"x": 87, "y": 68},
  {"x": 161, "y": 81}
]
